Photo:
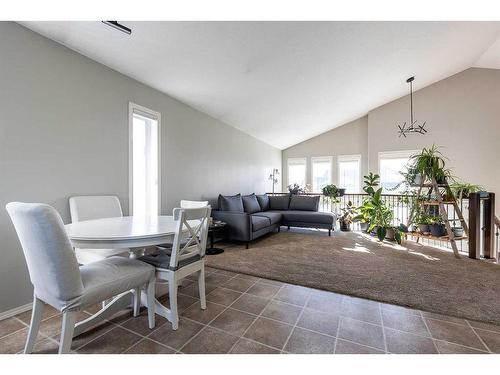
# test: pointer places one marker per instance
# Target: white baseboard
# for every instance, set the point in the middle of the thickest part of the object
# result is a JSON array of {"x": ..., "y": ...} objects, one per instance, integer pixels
[{"x": 15, "y": 311}]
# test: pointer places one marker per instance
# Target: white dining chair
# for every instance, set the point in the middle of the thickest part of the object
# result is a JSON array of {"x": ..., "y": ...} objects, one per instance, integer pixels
[
  {"x": 83, "y": 208},
  {"x": 59, "y": 281},
  {"x": 167, "y": 247},
  {"x": 185, "y": 258}
]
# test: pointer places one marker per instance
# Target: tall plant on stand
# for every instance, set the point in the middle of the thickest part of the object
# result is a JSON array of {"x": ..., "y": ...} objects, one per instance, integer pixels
[{"x": 371, "y": 181}]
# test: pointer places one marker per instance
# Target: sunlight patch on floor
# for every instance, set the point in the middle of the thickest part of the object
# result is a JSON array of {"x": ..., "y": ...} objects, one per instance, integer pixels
[
  {"x": 392, "y": 245},
  {"x": 357, "y": 248}
]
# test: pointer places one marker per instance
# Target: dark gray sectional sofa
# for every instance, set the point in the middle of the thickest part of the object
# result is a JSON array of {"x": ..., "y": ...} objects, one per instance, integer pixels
[{"x": 250, "y": 216}]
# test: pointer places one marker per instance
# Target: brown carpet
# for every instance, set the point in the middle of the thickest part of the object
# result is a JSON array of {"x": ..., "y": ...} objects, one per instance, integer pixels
[{"x": 411, "y": 275}]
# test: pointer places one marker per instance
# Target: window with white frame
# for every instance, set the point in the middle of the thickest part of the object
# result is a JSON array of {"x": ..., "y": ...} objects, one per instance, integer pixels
[
  {"x": 144, "y": 160},
  {"x": 297, "y": 168},
  {"x": 349, "y": 173},
  {"x": 390, "y": 165},
  {"x": 321, "y": 172}
]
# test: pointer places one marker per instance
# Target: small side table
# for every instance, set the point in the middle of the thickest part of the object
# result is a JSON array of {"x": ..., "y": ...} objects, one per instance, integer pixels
[{"x": 216, "y": 226}]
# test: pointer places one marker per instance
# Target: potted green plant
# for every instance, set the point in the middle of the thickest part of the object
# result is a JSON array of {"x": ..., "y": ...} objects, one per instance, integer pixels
[
  {"x": 423, "y": 221},
  {"x": 370, "y": 182},
  {"x": 364, "y": 213},
  {"x": 331, "y": 192},
  {"x": 430, "y": 163},
  {"x": 348, "y": 214},
  {"x": 437, "y": 228},
  {"x": 411, "y": 177},
  {"x": 295, "y": 189},
  {"x": 462, "y": 189},
  {"x": 381, "y": 219}
]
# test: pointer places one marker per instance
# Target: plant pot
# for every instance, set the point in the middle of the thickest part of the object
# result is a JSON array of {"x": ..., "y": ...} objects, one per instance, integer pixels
[
  {"x": 438, "y": 230},
  {"x": 364, "y": 227},
  {"x": 341, "y": 192},
  {"x": 417, "y": 181},
  {"x": 345, "y": 227},
  {"x": 458, "y": 231},
  {"x": 424, "y": 228},
  {"x": 389, "y": 234},
  {"x": 441, "y": 180}
]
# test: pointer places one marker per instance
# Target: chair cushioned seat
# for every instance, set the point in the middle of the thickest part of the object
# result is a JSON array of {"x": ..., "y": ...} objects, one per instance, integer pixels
[
  {"x": 110, "y": 277},
  {"x": 161, "y": 259},
  {"x": 308, "y": 217},
  {"x": 274, "y": 217},
  {"x": 259, "y": 222},
  {"x": 86, "y": 256}
]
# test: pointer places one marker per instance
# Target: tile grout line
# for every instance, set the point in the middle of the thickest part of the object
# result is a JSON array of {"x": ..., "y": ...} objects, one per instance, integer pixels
[
  {"x": 130, "y": 347},
  {"x": 479, "y": 337},
  {"x": 226, "y": 307},
  {"x": 101, "y": 322},
  {"x": 260, "y": 280},
  {"x": 232, "y": 334},
  {"x": 257, "y": 316},
  {"x": 296, "y": 321},
  {"x": 121, "y": 326},
  {"x": 346, "y": 317},
  {"x": 383, "y": 327},
  {"x": 463, "y": 346},
  {"x": 430, "y": 334},
  {"x": 337, "y": 335}
]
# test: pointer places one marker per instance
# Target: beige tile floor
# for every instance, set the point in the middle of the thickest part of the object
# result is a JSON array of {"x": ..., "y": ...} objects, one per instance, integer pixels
[{"x": 246, "y": 314}]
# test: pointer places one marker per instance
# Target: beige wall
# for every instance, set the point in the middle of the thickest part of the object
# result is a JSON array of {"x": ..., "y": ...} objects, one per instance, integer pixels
[
  {"x": 64, "y": 132},
  {"x": 350, "y": 139},
  {"x": 463, "y": 116}
]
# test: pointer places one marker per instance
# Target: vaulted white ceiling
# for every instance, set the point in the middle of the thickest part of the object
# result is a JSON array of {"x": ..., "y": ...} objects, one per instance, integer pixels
[{"x": 283, "y": 82}]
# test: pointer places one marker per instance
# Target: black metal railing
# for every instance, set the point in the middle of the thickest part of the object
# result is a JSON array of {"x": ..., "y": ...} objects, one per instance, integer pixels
[{"x": 401, "y": 211}]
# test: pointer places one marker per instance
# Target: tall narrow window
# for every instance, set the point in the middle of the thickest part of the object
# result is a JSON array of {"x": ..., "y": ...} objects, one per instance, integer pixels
[
  {"x": 391, "y": 164},
  {"x": 144, "y": 153},
  {"x": 321, "y": 172},
  {"x": 349, "y": 172},
  {"x": 297, "y": 171}
]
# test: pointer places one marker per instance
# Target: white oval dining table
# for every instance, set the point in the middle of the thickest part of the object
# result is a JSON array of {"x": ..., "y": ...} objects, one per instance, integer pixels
[{"x": 128, "y": 232}]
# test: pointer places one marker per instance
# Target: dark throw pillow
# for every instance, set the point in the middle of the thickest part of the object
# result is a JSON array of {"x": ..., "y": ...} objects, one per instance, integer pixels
[
  {"x": 250, "y": 203},
  {"x": 304, "y": 203},
  {"x": 263, "y": 200},
  {"x": 231, "y": 203},
  {"x": 279, "y": 202}
]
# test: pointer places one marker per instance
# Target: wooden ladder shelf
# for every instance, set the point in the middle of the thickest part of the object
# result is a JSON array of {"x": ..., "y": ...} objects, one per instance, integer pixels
[{"x": 443, "y": 212}]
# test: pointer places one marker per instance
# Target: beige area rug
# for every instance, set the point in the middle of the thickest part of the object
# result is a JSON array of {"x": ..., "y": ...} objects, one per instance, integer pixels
[{"x": 411, "y": 275}]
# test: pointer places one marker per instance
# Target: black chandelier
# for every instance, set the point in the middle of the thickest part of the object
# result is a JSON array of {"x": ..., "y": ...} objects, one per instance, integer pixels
[{"x": 413, "y": 126}]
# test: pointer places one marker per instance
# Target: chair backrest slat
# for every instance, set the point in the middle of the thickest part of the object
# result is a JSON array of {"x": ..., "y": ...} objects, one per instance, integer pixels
[
  {"x": 193, "y": 204},
  {"x": 195, "y": 220},
  {"x": 51, "y": 261},
  {"x": 94, "y": 207}
]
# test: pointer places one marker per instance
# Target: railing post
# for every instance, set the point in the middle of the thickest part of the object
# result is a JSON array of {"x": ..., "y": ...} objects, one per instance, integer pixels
[
  {"x": 489, "y": 226},
  {"x": 474, "y": 225}
]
